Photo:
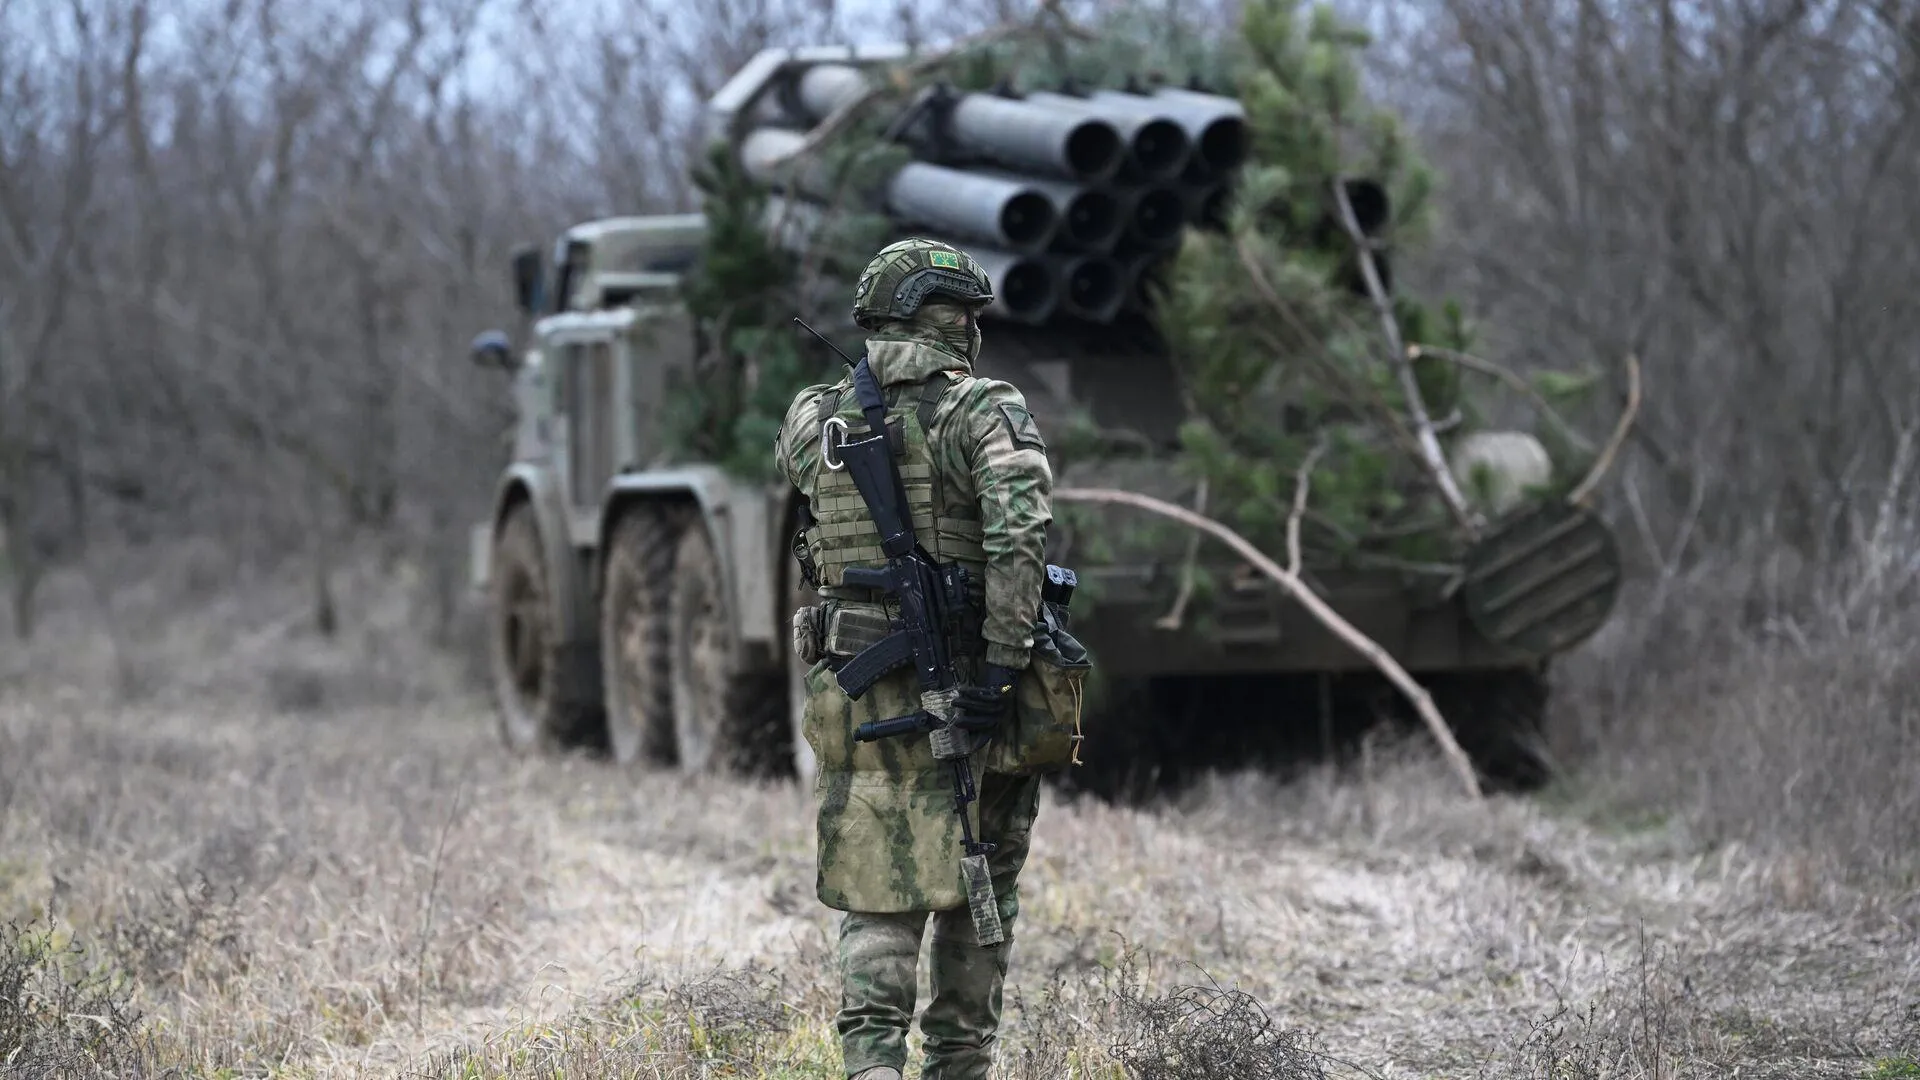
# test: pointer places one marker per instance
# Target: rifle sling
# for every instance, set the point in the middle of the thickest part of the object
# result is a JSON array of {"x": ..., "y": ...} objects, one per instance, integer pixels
[
  {"x": 973, "y": 865},
  {"x": 866, "y": 390}
]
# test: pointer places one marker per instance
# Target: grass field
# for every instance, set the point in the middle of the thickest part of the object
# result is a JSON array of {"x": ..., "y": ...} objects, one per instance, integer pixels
[{"x": 231, "y": 848}]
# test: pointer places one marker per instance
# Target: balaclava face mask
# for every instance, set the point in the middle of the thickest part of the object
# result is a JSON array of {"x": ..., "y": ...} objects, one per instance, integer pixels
[
  {"x": 949, "y": 327},
  {"x": 956, "y": 326},
  {"x": 964, "y": 338}
]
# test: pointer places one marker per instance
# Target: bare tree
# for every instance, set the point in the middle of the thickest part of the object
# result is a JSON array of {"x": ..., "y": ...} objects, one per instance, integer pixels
[
  {"x": 62, "y": 105},
  {"x": 244, "y": 246},
  {"x": 1719, "y": 189}
]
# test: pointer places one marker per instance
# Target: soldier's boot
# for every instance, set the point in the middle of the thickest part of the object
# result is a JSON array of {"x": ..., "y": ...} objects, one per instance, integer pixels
[
  {"x": 962, "y": 1022},
  {"x": 878, "y": 954}
]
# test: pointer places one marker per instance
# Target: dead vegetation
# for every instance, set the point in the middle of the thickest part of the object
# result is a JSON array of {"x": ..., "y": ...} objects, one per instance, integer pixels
[
  {"x": 358, "y": 882},
  {"x": 1795, "y": 734},
  {"x": 58, "y": 1015}
]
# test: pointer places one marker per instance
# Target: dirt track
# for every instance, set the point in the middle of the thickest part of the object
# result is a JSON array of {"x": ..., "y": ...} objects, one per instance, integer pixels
[{"x": 383, "y": 885}]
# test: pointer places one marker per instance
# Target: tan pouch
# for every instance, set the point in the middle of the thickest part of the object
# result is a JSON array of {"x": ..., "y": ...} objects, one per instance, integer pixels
[
  {"x": 1042, "y": 731},
  {"x": 808, "y": 639}
]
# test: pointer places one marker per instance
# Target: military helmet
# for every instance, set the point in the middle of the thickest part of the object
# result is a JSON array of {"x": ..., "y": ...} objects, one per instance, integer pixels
[{"x": 907, "y": 273}]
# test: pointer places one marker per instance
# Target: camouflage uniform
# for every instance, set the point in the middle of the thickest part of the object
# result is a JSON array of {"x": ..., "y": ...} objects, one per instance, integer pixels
[{"x": 889, "y": 844}]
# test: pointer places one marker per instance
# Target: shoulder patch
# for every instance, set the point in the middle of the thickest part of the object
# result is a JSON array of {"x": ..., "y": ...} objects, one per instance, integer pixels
[{"x": 1021, "y": 426}]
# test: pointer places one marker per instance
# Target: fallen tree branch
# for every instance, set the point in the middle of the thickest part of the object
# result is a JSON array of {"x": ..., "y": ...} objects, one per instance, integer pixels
[
  {"x": 1601, "y": 464},
  {"x": 1430, "y": 452},
  {"x": 1318, "y": 608},
  {"x": 1177, "y": 613}
]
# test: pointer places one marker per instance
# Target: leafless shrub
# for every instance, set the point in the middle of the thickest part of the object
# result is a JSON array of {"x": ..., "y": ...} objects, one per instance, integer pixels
[
  {"x": 1203, "y": 1031},
  {"x": 160, "y": 934},
  {"x": 1794, "y": 735},
  {"x": 62, "y": 1017},
  {"x": 1669, "y": 1015},
  {"x": 732, "y": 1013}
]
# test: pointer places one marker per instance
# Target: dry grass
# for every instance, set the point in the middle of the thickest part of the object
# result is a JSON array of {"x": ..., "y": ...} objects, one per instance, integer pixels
[
  {"x": 1765, "y": 706},
  {"x": 350, "y": 878}
]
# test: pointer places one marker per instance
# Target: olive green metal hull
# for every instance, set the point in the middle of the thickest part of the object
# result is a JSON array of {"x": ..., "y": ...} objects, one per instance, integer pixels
[
  {"x": 1261, "y": 630},
  {"x": 1542, "y": 582}
]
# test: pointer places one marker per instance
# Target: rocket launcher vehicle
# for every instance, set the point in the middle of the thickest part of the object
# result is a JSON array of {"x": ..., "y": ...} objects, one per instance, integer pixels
[{"x": 1073, "y": 200}]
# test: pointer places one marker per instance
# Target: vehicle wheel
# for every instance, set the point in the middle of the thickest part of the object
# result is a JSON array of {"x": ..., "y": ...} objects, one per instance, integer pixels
[
  {"x": 1499, "y": 718},
  {"x": 635, "y": 633},
  {"x": 529, "y": 679},
  {"x": 728, "y": 714}
]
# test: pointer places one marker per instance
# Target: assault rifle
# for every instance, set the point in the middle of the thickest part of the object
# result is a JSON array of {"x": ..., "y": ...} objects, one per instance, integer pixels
[{"x": 931, "y": 597}]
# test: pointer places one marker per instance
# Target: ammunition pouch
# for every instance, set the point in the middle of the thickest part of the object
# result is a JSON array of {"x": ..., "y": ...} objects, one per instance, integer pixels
[
  {"x": 809, "y": 637},
  {"x": 849, "y": 627},
  {"x": 1042, "y": 731}
]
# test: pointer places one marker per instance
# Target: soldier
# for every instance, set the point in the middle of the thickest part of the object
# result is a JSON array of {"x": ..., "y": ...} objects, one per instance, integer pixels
[{"x": 980, "y": 489}]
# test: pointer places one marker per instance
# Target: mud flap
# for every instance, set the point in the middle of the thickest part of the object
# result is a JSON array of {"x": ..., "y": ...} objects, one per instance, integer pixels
[{"x": 1545, "y": 581}]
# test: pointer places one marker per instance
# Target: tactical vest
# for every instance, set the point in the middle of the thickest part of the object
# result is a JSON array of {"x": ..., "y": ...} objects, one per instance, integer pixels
[{"x": 946, "y": 520}]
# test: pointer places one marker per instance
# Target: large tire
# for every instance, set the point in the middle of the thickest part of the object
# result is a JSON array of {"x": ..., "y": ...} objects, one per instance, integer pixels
[
  {"x": 729, "y": 714},
  {"x": 529, "y": 661},
  {"x": 636, "y": 632},
  {"x": 1499, "y": 718}
]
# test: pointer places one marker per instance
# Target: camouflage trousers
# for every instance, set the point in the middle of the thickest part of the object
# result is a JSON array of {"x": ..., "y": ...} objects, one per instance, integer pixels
[{"x": 879, "y": 956}]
